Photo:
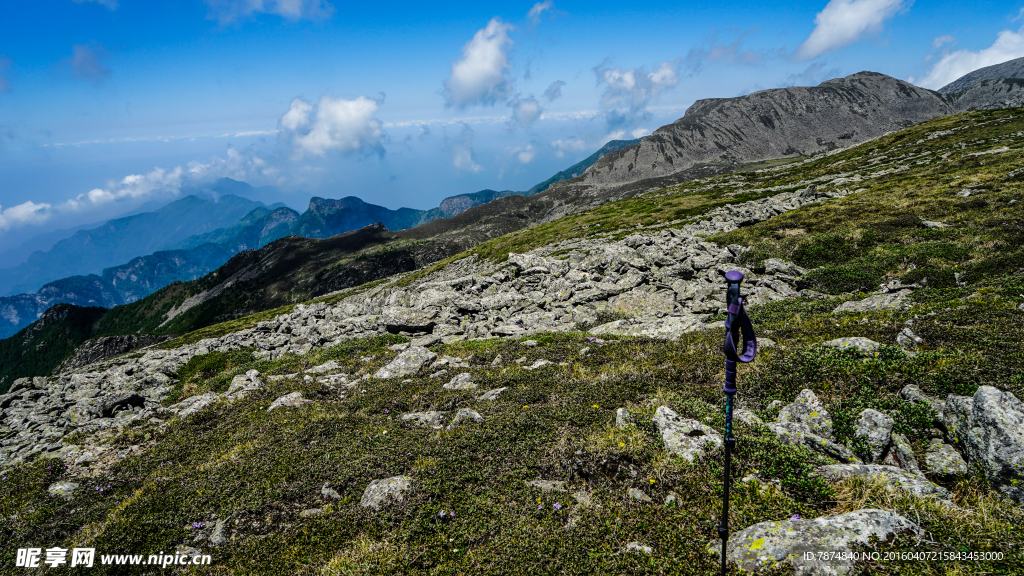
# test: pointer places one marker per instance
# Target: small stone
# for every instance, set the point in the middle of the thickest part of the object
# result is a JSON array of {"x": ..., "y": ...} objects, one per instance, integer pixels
[
  {"x": 327, "y": 492},
  {"x": 217, "y": 537},
  {"x": 623, "y": 418},
  {"x": 637, "y": 547},
  {"x": 908, "y": 340},
  {"x": 747, "y": 417},
  {"x": 901, "y": 454},
  {"x": 529, "y": 343},
  {"x": 311, "y": 512},
  {"x": 547, "y": 485},
  {"x": 465, "y": 415},
  {"x": 380, "y": 492},
  {"x": 934, "y": 225},
  {"x": 639, "y": 495},
  {"x": 539, "y": 364},
  {"x": 498, "y": 361},
  {"x": 808, "y": 414},
  {"x": 463, "y": 381},
  {"x": 293, "y": 400},
  {"x": 670, "y": 498},
  {"x": 865, "y": 346},
  {"x": 433, "y": 419},
  {"x": 63, "y": 489},
  {"x": 492, "y": 394}
]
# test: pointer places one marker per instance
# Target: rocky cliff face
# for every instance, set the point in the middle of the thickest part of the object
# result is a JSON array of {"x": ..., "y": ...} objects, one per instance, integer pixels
[
  {"x": 1009, "y": 69},
  {"x": 108, "y": 346}
]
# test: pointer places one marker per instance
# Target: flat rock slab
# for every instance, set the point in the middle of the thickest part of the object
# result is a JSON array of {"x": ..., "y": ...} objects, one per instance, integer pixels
[
  {"x": 944, "y": 461},
  {"x": 492, "y": 394},
  {"x": 889, "y": 301},
  {"x": 62, "y": 489},
  {"x": 397, "y": 319},
  {"x": 989, "y": 429},
  {"x": 293, "y": 400},
  {"x": 433, "y": 419},
  {"x": 466, "y": 416},
  {"x": 409, "y": 362},
  {"x": 194, "y": 404},
  {"x": 331, "y": 366},
  {"x": 684, "y": 437},
  {"x": 893, "y": 477},
  {"x": 664, "y": 328},
  {"x": 385, "y": 491},
  {"x": 865, "y": 346},
  {"x": 768, "y": 544}
]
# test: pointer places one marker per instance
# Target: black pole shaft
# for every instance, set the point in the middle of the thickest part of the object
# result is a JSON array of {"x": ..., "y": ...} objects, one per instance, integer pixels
[{"x": 723, "y": 528}]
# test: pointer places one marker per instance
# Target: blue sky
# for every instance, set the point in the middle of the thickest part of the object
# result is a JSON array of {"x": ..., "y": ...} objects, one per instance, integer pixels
[{"x": 107, "y": 104}]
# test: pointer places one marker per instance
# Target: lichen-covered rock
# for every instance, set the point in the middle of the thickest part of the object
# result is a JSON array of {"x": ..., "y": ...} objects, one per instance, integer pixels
[
  {"x": 944, "y": 461},
  {"x": 908, "y": 340},
  {"x": 409, "y": 362},
  {"x": 747, "y": 417},
  {"x": 638, "y": 495},
  {"x": 684, "y": 437},
  {"x": 807, "y": 414},
  {"x": 876, "y": 430},
  {"x": 892, "y": 476},
  {"x": 463, "y": 381},
  {"x": 398, "y": 319},
  {"x": 989, "y": 430},
  {"x": 901, "y": 454},
  {"x": 865, "y": 346},
  {"x": 385, "y": 491},
  {"x": 622, "y": 418},
  {"x": 889, "y": 301},
  {"x": 636, "y": 547},
  {"x": 433, "y": 419},
  {"x": 466, "y": 416},
  {"x": 912, "y": 393},
  {"x": 62, "y": 489},
  {"x": 796, "y": 435},
  {"x": 492, "y": 394},
  {"x": 293, "y": 400},
  {"x": 768, "y": 544}
]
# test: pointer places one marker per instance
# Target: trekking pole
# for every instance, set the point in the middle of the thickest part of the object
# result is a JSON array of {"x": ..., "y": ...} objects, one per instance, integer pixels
[{"x": 736, "y": 322}]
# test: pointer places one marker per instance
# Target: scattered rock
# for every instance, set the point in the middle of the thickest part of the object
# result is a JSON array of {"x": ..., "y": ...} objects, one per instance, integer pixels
[
  {"x": 907, "y": 340},
  {"x": 547, "y": 485},
  {"x": 492, "y": 394},
  {"x": 901, "y": 454},
  {"x": 934, "y": 225},
  {"x": 747, "y": 417},
  {"x": 807, "y": 414},
  {"x": 311, "y": 513},
  {"x": 384, "y": 491},
  {"x": 623, "y": 418},
  {"x": 217, "y": 537},
  {"x": 539, "y": 364},
  {"x": 767, "y": 544},
  {"x": 463, "y": 381},
  {"x": 989, "y": 430},
  {"x": 890, "y": 301},
  {"x": 944, "y": 461},
  {"x": 794, "y": 435},
  {"x": 329, "y": 366},
  {"x": 327, "y": 492},
  {"x": 409, "y": 362},
  {"x": 63, "y": 489},
  {"x": 911, "y": 393},
  {"x": 432, "y": 418},
  {"x": 639, "y": 495},
  {"x": 637, "y": 547},
  {"x": 670, "y": 498},
  {"x": 529, "y": 343},
  {"x": 876, "y": 430},
  {"x": 865, "y": 346},
  {"x": 892, "y": 476},
  {"x": 684, "y": 437},
  {"x": 293, "y": 400},
  {"x": 465, "y": 415}
]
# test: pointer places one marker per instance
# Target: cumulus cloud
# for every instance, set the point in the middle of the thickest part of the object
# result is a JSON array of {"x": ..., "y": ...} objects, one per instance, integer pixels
[
  {"x": 524, "y": 154},
  {"x": 5, "y": 65},
  {"x": 525, "y": 111},
  {"x": 86, "y": 63},
  {"x": 844, "y": 22},
  {"x": 481, "y": 76},
  {"x": 563, "y": 146},
  {"x": 227, "y": 11},
  {"x": 940, "y": 41},
  {"x": 1008, "y": 45},
  {"x": 333, "y": 124},
  {"x": 554, "y": 91},
  {"x": 628, "y": 92},
  {"x": 112, "y": 4},
  {"x": 131, "y": 186},
  {"x": 24, "y": 213},
  {"x": 640, "y": 132},
  {"x": 713, "y": 50},
  {"x": 461, "y": 151},
  {"x": 538, "y": 9}
]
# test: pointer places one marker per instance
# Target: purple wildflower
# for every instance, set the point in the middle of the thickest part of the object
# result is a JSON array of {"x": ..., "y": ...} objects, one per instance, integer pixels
[
  {"x": 557, "y": 506},
  {"x": 794, "y": 517}
]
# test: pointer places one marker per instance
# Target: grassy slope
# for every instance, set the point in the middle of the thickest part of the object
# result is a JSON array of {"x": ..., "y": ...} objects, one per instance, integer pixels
[{"x": 261, "y": 469}]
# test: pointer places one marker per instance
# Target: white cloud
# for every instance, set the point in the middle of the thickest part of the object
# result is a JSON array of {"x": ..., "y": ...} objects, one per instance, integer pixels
[
  {"x": 563, "y": 146},
  {"x": 1008, "y": 45},
  {"x": 538, "y": 9},
  {"x": 524, "y": 154},
  {"x": 628, "y": 92},
  {"x": 112, "y": 4},
  {"x": 844, "y": 22},
  {"x": 5, "y": 84},
  {"x": 640, "y": 132},
  {"x": 462, "y": 151},
  {"x": 712, "y": 50},
  {"x": 939, "y": 41},
  {"x": 334, "y": 124},
  {"x": 131, "y": 186},
  {"x": 226, "y": 11},
  {"x": 525, "y": 111},
  {"x": 554, "y": 91},
  {"x": 86, "y": 63},
  {"x": 24, "y": 213},
  {"x": 481, "y": 76}
]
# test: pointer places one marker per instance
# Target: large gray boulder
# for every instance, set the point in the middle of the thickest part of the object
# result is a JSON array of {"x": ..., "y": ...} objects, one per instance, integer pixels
[
  {"x": 796, "y": 436},
  {"x": 894, "y": 478},
  {"x": 901, "y": 454},
  {"x": 409, "y": 362},
  {"x": 384, "y": 491},
  {"x": 293, "y": 400},
  {"x": 397, "y": 319},
  {"x": 876, "y": 430},
  {"x": 767, "y": 544},
  {"x": 684, "y": 437},
  {"x": 944, "y": 461},
  {"x": 865, "y": 346},
  {"x": 989, "y": 430},
  {"x": 889, "y": 301}
]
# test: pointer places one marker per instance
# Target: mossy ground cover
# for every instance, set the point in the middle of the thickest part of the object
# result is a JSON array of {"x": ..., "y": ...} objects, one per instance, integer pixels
[{"x": 471, "y": 510}]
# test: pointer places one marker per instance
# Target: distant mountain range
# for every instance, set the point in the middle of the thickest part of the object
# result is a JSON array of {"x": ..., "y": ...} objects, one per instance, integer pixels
[{"x": 193, "y": 236}]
